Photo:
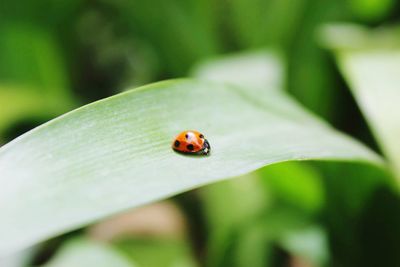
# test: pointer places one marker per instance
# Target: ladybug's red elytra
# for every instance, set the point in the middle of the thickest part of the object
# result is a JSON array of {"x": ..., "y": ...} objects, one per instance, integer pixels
[{"x": 191, "y": 142}]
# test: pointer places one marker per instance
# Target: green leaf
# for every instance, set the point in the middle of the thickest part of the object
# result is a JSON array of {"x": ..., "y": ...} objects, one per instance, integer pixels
[
  {"x": 191, "y": 29},
  {"x": 115, "y": 154},
  {"x": 232, "y": 241},
  {"x": 261, "y": 70},
  {"x": 296, "y": 185},
  {"x": 370, "y": 61},
  {"x": 372, "y": 10},
  {"x": 257, "y": 23},
  {"x": 374, "y": 77},
  {"x": 289, "y": 186},
  {"x": 310, "y": 77},
  {"x": 157, "y": 252},
  {"x": 31, "y": 57},
  {"x": 250, "y": 200},
  {"x": 361, "y": 211},
  {"x": 81, "y": 252},
  {"x": 32, "y": 74},
  {"x": 310, "y": 243},
  {"x": 253, "y": 244},
  {"x": 19, "y": 103}
]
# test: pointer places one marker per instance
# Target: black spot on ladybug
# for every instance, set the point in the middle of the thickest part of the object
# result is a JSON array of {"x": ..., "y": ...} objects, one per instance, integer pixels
[
  {"x": 186, "y": 136},
  {"x": 177, "y": 143},
  {"x": 201, "y": 136},
  {"x": 190, "y": 147}
]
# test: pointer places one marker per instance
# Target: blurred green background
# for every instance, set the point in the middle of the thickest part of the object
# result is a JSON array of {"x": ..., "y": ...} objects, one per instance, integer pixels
[{"x": 58, "y": 55}]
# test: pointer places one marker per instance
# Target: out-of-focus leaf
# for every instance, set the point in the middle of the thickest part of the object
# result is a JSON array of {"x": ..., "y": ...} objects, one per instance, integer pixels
[
  {"x": 33, "y": 83},
  {"x": 258, "y": 23},
  {"x": 374, "y": 77},
  {"x": 373, "y": 73},
  {"x": 81, "y": 252},
  {"x": 246, "y": 194},
  {"x": 348, "y": 37},
  {"x": 258, "y": 69},
  {"x": 158, "y": 253},
  {"x": 32, "y": 13},
  {"x": 309, "y": 243},
  {"x": 350, "y": 190},
  {"x": 30, "y": 57},
  {"x": 289, "y": 186},
  {"x": 247, "y": 207},
  {"x": 295, "y": 185},
  {"x": 17, "y": 103},
  {"x": 253, "y": 243},
  {"x": 371, "y": 10},
  {"x": 377, "y": 229},
  {"x": 111, "y": 153},
  {"x": 252, "y": 247},
  {"x": 182, "y": 32},
  {"x": 310, "y": 77}
]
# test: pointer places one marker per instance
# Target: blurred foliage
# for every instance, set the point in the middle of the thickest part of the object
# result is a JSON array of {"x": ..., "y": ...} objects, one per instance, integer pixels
[
  {"x": 250, "y": 215},
  {"x": 81, "y": 252},
  {"x": 157, "y": 253},
  {"x": 56, "y": 55}
]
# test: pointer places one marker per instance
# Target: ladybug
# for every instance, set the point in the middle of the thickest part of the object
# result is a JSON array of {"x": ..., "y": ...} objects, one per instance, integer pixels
[{"x": 191, "y": 142}]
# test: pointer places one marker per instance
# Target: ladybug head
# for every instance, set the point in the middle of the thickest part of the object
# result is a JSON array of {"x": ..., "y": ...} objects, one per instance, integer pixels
[{"x": 206, "y": 147}]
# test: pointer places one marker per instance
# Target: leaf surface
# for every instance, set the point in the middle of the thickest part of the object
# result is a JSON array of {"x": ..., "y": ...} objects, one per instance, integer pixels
[
  {"x": 370, "y": 61},
  {"x": 116, "y": 153}
]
